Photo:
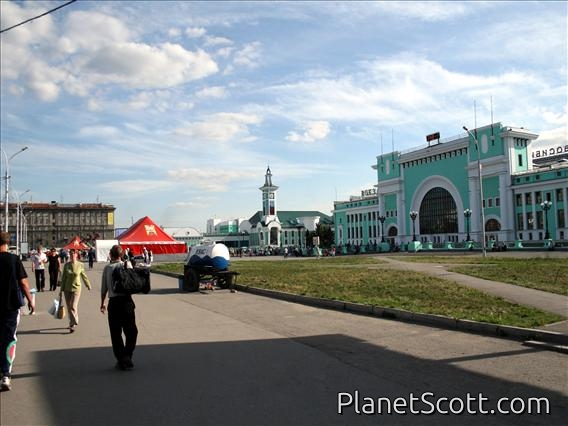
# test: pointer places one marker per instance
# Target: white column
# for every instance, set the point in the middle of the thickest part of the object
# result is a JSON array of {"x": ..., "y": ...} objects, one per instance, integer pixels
[
  {"x": 402, "y": 211},
  {"x": 473, "y": 187},
  {"x": 506, "y": 199}
]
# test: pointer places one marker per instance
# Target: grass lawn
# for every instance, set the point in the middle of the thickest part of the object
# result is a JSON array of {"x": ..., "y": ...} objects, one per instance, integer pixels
[
  {"x": 368, "y": 280},
  {"x": 549, "y": 275}
]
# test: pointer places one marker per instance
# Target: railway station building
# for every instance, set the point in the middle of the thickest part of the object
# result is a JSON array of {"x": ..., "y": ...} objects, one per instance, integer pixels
[{"x": 432, "y": 195}]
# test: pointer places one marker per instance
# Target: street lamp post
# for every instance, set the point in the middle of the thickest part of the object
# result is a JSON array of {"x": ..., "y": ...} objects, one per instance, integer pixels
[
  {"x": 6, "y": 178},
  {"x": 382, "y": 220},
  {"x": 482, "y": 210},
  {"x": 413, "y": 216},
  {"x": 18, "y": 227},
  {"x": 467, "y": 214},
  {"x": 546, "y": 205}
]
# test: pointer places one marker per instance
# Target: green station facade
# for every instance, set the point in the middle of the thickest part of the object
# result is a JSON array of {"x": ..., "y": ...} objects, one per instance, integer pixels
[{"x": 432, "y": 196}]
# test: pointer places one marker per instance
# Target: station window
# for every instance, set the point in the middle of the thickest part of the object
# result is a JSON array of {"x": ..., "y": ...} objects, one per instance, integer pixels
[{"x": 520, "y": 224}]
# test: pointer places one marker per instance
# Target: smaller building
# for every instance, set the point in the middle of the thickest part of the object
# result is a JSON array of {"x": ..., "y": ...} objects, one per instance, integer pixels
[
  {"x": 268, "y": 229},
  {"x": 190, "y": 236},
  {"x": 357, "y": 221}
]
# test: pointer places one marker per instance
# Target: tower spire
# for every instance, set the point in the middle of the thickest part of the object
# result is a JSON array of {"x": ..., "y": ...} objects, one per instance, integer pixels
[{"x": 268, "y": 177}]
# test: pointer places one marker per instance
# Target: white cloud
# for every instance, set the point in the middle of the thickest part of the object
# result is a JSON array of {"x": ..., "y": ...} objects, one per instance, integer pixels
[
  {"x": 212, "y": 92},
  {"x": 195, "y": 32},
  {"x": 225, "y": 52},
  {"x": 431, "y": 11},
  {"x": 98, "y": 131},
  {"x": 208, "y": 179},
  {"x": 132, "y": 187},
  {"x": 16, "y": 90},
  {"x": 249, "y": 55},
  {"x": 140, "y": 101},
  {"x": 87, "y": 57},
  {"x": 143, "y": 66},
  {"x": 404, "y": 90},
  {"x": 310, "y": 132},
  {"x": 556, "y": 136},
  {"x": 174, "y": 32},
  {"x": 91, "y": 31},
  {"x": 183, "y": 105},
  {"x": 216, "y": 41},
  {"x": 46, "y": 91},
  {"x": 221, "y": 127}
]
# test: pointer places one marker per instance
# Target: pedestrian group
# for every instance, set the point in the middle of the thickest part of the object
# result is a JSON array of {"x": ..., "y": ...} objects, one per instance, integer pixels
[{"x": 66, "y": 271}]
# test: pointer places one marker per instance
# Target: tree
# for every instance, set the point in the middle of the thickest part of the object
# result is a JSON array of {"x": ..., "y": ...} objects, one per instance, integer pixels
[{"x": 325, "y": 234}]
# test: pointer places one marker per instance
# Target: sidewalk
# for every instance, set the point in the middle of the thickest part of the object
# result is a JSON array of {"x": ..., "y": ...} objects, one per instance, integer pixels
[{"x": 221, "y": 358}]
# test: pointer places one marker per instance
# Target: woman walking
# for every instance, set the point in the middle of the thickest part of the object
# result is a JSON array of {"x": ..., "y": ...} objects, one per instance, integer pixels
[
  {"x": 54, "y": 268},
  {"x": 73, "y": 273}
]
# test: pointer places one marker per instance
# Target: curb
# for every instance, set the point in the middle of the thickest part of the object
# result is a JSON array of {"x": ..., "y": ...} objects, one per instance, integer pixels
[
  {"x": 543, "y": 339},
  {"x": 551, "y": 340}
]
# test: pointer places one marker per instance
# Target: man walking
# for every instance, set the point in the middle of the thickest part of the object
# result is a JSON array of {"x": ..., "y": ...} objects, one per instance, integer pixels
[
  {"x": 121, "y": 316},
  {"x": 13, "y": 283}
]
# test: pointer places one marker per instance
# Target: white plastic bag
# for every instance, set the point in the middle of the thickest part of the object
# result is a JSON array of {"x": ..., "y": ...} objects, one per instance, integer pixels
[{"x": 54, "y": 307}]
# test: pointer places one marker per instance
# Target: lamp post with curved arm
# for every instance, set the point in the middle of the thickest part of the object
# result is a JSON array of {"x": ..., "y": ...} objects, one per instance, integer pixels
[
  {"x": 482, "y": 210},
  {"x": 18, "y": 220},
  {"x": 6, "y": 179}
]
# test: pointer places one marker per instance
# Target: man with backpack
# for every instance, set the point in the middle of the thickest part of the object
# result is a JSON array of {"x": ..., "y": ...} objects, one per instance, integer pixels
[{"x": 121, "y": 315}]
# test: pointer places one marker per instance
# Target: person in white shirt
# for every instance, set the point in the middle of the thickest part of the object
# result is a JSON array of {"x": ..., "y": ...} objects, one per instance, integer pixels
[{"x": 39, "y": 259}]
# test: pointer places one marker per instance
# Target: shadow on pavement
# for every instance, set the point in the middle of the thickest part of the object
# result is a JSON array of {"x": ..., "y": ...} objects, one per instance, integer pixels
[{"x": 266, "y": 382}]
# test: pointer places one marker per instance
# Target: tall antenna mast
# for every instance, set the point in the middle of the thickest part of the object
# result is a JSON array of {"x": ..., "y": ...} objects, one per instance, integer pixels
[
  {"x": 491, "y": 103},
  {"x": 475, "y": 117}
]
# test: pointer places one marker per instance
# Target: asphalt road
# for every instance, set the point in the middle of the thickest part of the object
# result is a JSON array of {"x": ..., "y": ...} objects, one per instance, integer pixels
[{"x": 221, "y": 358}]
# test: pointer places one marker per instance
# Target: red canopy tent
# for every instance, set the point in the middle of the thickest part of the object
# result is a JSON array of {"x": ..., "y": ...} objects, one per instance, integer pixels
[
  {"x": 145, "y": 233},
  {"x": 76, "y": 244}
]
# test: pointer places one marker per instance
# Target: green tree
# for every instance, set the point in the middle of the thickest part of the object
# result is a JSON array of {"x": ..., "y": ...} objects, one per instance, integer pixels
[{"x": 325, "y": 234}]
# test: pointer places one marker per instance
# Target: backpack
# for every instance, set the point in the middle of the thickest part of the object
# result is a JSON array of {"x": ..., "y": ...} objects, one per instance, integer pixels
[{"x": 131, "y": 280}]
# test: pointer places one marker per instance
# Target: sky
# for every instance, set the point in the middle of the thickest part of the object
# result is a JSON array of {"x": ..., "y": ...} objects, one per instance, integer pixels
[{"x": 174, "y": 110}]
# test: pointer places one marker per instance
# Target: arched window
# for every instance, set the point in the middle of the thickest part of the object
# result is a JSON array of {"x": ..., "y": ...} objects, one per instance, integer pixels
[
  {"x": 438, "y": 213},
  {"x": 393, "y": 232},
  {"x": 492, "y": 225}
]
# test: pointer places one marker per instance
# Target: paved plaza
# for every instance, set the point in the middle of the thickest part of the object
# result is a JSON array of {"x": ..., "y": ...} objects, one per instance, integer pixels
[{"x": 221, "y": 358}]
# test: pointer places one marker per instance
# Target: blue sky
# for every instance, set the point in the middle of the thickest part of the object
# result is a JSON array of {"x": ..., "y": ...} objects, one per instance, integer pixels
[{"x": 174, "y": 109}]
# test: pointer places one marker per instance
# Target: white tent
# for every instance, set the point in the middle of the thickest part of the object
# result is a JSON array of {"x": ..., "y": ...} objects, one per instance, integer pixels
[{"x": 102, "y": 249}]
